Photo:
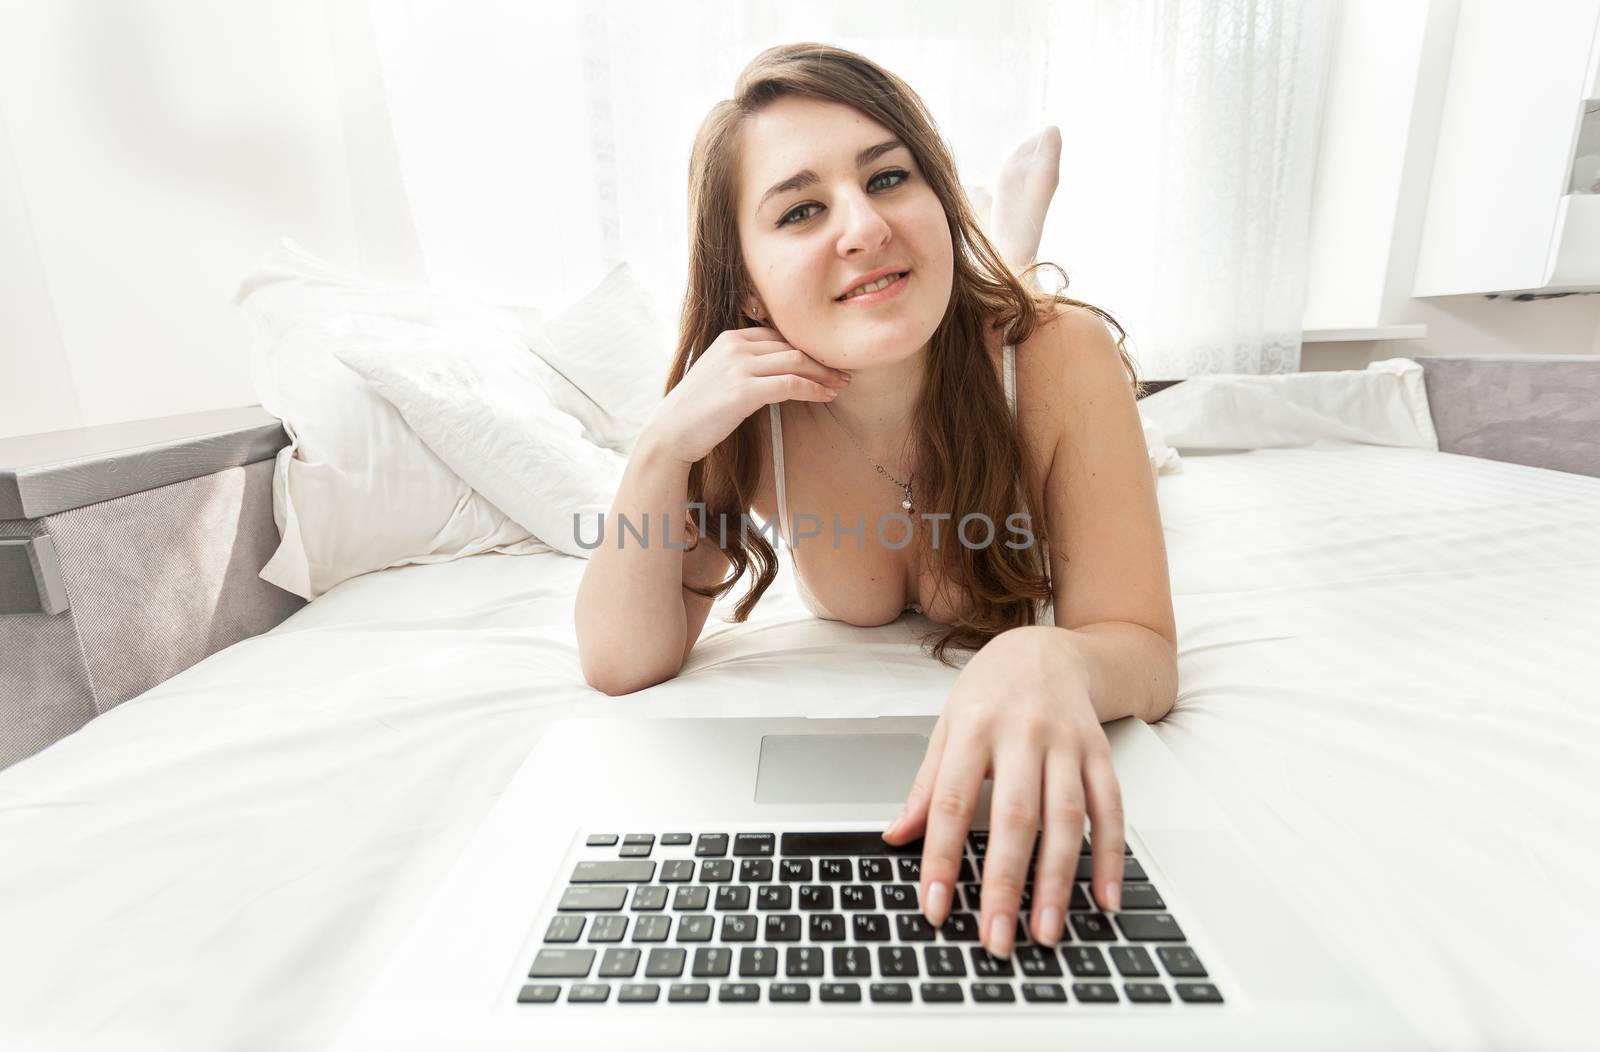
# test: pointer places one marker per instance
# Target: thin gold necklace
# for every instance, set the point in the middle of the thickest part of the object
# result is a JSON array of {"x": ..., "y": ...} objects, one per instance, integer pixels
[{"x": 906, "y": 486}]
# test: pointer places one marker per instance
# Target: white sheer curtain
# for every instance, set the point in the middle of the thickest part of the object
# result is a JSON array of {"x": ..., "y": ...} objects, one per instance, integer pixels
[{"x": 539, "y": 145}]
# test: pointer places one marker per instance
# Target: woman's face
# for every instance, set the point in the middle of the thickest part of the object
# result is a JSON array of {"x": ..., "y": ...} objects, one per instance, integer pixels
[{"x": 837, "y": 224}]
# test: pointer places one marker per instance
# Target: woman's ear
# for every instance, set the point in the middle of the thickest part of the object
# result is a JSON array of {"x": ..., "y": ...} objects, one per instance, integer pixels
[{"x": 753, "y": 308}]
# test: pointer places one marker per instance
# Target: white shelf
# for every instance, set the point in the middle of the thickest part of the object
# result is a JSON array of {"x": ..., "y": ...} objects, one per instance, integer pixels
[{"x": 1373, "y": 332}]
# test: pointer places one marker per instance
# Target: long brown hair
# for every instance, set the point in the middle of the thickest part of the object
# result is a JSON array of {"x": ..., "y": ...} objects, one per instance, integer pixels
[{"x": 970, "y": 448}]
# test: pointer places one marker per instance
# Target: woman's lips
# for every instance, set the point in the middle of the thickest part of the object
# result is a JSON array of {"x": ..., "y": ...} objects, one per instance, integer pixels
[{"x": 888, "y": 292}]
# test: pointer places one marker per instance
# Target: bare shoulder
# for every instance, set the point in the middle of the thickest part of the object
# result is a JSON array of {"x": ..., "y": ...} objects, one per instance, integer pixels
[{"x": 1070, "y": 360}]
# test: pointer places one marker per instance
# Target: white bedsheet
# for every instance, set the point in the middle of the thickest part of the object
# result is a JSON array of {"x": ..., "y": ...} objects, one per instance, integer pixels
[{"x": 1388, "y": 677}]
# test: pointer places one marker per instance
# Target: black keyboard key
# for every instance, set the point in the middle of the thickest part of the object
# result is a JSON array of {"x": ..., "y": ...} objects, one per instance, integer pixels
[
  {"x": 1092, "y": 927},
  {"x": 696, "y": 927},
  {"x": 642, "y": 872},
  {"x": 677, "y": 870},
  {"x": 960, "y": 927},
  {"x": 913, "y": 927},
  {"x": 1141, "y": 897},
  {"x": 841, "y": 992},
  {"x": 639, "y": 838},
  {"x": 852, "y": 962},
  {"x": 738, "y": 992},
  {"x": 592, "y": 899},
  {"x": 827, "y": 927},
  {"x": 910, "y": 869},
  {"x": 716, "y": 870},
  {"x": 755, "y": 870},
  {"x": 1147, "y": 993},
  {"x": 985, "y": 963},
  {"x": 1180, "y": 962},
  {"x": 897, "y": 962},
  {"x": 900, "y": 897},
  {"x": 588, "y": 993},
  {"x": 733, "y": 897},
  {"x": 774, "y": 897},
  {"x": 1149, "y": 927},
  {"x": 1131, "y": 870},
  {"x": 783, "y": 928},
  {"x": 758, "y": 962},
  {"x": 1080, "y": 899},
  {"x": 618, "y": 963},
  {"x": 664, "y": 963},
  {"x": 878, "y": 869},
  {"x": 600, "y": 840},
  {"x": 651, "y": 929},
  {"x": 870, "y": 927},
  {"x": 993, "y": 993},
  {"x": 1133, "y": 962},
  {"x": 691, "y": 897},
  {"x": 802, "y": 962},
  {"x": 711, "y": 962},
  {"x": 816, "y": 897},
  {"x": 564, "y": 928},
  {"x": 942, "y": 993},
  {"x": 1037, "y": 960},
  {"x": 689, "y": 992},
  {"x": 1198, "y": 993},
  {"x": 789, "y": 992},
  {"x": 835, "y": 869},
  {"x": 1044, "y": 993},
  {"x": 711, "y": 845},
  {"x": 635, "y": 851},
  {"x": 865, "y": 843},
  {"x": 539, "y": 993},
  {"x": 944, "y": 962},
  {"x": 1085, "y": 961},
  {"x": 562, "y": 964},
  {"x": 890, "y": 993},
  {"x": 1095, "y": 993},
  {"x": 639, "y": 993},
  {"x": 740, "y": 927},
  {"x": 649, "y": 897},
  {"x": 759, "y": 844},
  {"x": 675, "y": 839},
  {"x": 793, "y": 870},
  {"x": 608, "y": 928},
  {"x": 858, "y": 897}
]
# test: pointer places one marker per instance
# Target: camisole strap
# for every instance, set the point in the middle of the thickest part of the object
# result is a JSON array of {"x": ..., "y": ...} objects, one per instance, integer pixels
[
  {"x": 1010, "y": 371},
  {"x": 777, "y": 472}
]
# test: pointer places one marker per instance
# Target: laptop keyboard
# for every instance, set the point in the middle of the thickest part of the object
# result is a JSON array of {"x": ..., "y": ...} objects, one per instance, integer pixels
[{"x": 834, "y": 917}]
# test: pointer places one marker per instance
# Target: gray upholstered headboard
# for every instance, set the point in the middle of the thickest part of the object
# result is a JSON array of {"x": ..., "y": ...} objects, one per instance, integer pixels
[{"x": 130, "y": 552}]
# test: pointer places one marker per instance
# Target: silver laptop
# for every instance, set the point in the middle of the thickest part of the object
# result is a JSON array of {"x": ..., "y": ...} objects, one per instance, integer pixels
[{"x": 722, "y": 883}]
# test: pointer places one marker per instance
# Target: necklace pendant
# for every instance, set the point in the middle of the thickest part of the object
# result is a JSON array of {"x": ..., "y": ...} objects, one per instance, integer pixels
[{"x": 906, "y": 504}]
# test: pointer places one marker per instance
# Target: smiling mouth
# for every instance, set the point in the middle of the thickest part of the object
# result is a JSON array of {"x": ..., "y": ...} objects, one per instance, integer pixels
[{"x": 875, "y": 287}]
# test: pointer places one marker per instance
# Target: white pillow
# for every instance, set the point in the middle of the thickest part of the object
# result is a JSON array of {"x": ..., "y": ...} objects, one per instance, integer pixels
[
  {"x": 356, "y": 490},
  {"x": 1385, "y": 405},
  {"x": 604, "y": 360},
  {"x": 476, "y": 401}
]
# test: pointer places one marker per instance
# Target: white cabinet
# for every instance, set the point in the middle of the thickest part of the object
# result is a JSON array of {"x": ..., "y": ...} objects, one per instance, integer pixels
[{"x": 1514, "y": 203}]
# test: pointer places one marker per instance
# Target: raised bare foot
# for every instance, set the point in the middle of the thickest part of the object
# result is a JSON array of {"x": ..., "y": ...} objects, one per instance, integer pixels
[
  {"x": 1022, "y": 197},
  {"x": 980, "y": 201}
]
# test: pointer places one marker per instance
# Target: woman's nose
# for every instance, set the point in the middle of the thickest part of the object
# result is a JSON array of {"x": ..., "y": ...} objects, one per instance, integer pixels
[{"x": 864, "y": 226}]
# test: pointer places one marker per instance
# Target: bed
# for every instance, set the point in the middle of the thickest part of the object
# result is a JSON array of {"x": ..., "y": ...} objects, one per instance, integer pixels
[{"x": 1388, "y": 678}]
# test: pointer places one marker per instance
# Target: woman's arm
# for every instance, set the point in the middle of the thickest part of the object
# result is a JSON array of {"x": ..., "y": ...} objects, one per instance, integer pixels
[{"x": 636, "y": 621}]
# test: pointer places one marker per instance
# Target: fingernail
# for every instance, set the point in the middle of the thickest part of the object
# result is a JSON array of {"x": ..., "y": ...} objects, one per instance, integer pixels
[
  {"x": 1000, "y": 932},
  {"x": 1049, "y": 929},
  {"x": 1113, "y": 896},
  {"x": 938, "y": 902}
]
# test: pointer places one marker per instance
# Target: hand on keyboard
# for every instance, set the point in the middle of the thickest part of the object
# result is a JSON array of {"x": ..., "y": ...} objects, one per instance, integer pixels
[{"x": 1021, "y": 710}]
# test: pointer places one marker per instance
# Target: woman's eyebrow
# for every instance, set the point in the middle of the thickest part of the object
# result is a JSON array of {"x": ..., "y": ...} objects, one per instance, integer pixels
[{"x": 806, "y": 177}]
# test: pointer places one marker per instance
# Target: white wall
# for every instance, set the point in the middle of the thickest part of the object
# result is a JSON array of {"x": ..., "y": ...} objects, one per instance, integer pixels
[
  {"x": 1389, "y": 73},
  {"x": 158, "y": 148}
]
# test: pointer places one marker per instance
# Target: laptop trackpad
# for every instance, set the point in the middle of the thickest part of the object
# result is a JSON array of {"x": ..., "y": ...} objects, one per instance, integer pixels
[{"x": 838, "y": 768}]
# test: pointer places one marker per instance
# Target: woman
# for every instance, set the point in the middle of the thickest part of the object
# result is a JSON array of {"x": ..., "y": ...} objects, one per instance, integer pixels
[{"x": 795, "y": 390}]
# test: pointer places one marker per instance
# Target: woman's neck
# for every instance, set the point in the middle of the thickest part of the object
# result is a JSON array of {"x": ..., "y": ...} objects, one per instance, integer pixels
[{"x": 877, "y": 405}]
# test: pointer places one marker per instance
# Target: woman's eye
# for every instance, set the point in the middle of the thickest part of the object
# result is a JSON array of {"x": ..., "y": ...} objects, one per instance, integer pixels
[{"x": 793, "y": 213}]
